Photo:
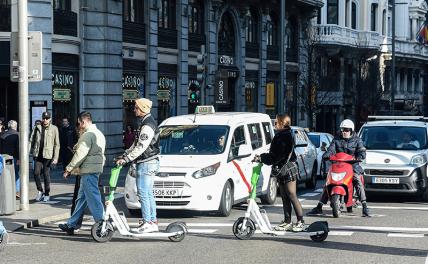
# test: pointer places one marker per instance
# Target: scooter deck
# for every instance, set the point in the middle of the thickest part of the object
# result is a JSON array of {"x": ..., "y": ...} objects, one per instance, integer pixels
[
  {"x": 292, "y": 233},
  {"x": 151, "y": 235}
]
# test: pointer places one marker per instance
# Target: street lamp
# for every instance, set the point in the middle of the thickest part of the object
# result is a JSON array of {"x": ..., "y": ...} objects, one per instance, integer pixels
[{"x": 393, "y": 78}]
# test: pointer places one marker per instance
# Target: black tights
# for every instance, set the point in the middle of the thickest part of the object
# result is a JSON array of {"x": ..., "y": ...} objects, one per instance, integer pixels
[{"x": 289, "y": 196}]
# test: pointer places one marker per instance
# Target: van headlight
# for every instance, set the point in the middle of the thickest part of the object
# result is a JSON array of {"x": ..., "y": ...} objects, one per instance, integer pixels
[
  {"x": 418, "y": 159},
  {"x": 207, "y": 171},
  {"x": 338, "y": 176}
]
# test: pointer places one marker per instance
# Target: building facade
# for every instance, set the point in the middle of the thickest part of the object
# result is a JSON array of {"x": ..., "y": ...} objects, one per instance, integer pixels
[{"x": 102, "y": 55}]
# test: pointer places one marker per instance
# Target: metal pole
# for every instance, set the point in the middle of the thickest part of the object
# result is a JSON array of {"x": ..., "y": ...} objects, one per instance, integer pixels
[
  {"x": 281, "y": 89},
  {"x": 23, "y": 102},
  {"x": 393, "y": 77}
]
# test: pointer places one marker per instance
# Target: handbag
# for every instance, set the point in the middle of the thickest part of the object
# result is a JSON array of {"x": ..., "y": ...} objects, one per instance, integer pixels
[{"x": 282, "y": 171}]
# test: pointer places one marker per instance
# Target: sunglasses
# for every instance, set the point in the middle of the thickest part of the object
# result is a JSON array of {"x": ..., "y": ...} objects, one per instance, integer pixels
[
  {"x": 346, "y": 130},
  {"x": 46, "y": 118}
]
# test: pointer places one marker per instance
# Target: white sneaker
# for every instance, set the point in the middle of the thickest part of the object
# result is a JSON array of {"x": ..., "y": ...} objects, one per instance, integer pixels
[
  {"x": 141, "y": 228},
  {"x": 39, "y": 196},
  {"x": 46, "y": 198},
  {"x": 153, "y": 227}
]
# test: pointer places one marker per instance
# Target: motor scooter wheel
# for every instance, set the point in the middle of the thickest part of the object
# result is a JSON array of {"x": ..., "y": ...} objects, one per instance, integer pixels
[
  {"x": 177, "y": 227},
  {"x": 249, "y": 230},
  {"x": 100, "y": 237},
  {"x": 335, "y": 205}
]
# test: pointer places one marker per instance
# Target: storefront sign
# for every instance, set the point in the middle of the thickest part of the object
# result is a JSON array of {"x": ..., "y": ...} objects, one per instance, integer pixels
[
  {"x": 132, "y": 81},
  {"x": 163, "y": 95},
  {"x": 226, "y": 60},
  {"x": 62, "y": 79},
  {"x": 63, "y": 95},
  {"x": 166, "y": 83},
  {"x": 130, "y": 95},
  {"x": 270, "y": 94},
  {"x": 250, "y": 84},
  {"x": 221, "y": 91}
]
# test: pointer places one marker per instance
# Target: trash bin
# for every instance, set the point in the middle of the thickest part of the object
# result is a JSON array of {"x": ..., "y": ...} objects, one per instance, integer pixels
[{"x": 7, "y": 185}]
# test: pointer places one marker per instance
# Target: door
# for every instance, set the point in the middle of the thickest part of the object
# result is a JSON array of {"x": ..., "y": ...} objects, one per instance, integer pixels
[{"x": 256, "y": 140}]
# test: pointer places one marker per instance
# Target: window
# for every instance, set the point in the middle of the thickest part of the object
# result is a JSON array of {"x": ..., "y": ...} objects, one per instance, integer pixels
[
  {"x": 62, "y": 5},
  {"x": 133, "y": 11},
  {"x": 167, "y": 14},
  {"x": 267, "y": 131},
  {"x": 354, "y": 16},
  {"x": 255, "y": 136},
  {"x": 332, "y": 12},
  {"x": 315, "y": 139},
  {"x": 196, "y": 23},
  {"x": 238, "y": 139},
  {"x": 384, "y": 22},
  {"x": 251, "y": 34},
  {"x": 374, "y": 17},
  {"x": 291, "y": 33},
  {"x": 319, "y": 16},
  {"x": 272, "y": 30},
  {"x": 346, "y": 13}
]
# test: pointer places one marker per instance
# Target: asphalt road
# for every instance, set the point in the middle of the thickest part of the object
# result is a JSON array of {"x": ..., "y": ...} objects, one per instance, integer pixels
[{"x": 397, "y": 233}]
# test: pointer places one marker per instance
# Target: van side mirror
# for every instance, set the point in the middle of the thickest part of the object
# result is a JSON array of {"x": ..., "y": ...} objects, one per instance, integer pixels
[
  {"x": 323, "y": 148},
  {"x": 244, "y": 151}
]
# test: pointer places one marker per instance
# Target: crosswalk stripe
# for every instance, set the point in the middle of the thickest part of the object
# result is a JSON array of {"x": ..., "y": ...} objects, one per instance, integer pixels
[
  {"x": 340, "y": 233},
  {"x": 319, "y": 190},
  {"x": 405, "y": 235},
  {"x": 381, "y": 228},
  {"x": 309, "y": 194},
  {"x": 201, "y": 231}
]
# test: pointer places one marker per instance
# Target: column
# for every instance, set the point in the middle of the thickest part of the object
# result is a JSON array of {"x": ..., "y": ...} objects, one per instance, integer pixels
[
  {"x": 421, "y": 82},
  {"x": 413, "y": 89},
  {"x": 261, "y": 89},
  {"x": 212, "y": 15},
  {"x": 102, "y": 70},
  {"x": 151, "y": 21},
  {"x": 405, "y": 81},
  {"x": 183, "y": 56},
  {"x": 240, "y": 62},
  {"x": 349, "y": 13},
  {"x": 342, "y": 74},
  {"x": 414, "y": 28},
  {"x": 397, "y": 82}
]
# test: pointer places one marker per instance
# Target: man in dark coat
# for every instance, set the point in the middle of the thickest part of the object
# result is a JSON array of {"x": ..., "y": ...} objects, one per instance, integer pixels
[
  {"x": 9, "y": 144},
  {"x": 68, "y": 139}
]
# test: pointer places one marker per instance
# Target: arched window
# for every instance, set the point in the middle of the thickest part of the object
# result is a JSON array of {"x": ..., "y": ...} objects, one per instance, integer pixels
[
  {"x": 272, "y": 30},
  {"x": 226, "y": 36},
  {"x": 166, "y": 18},
  {"x": 252, "y": 32},
  {"x": 332, "y": 12},
  {"x": 196, "y": 23},
  {"x": 354, "y": 16},
  {"x": 374, "y": 16},
  {"x": 133, "y": 11}
]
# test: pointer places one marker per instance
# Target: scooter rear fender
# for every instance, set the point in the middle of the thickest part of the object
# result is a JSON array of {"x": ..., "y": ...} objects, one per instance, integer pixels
[{"x": 338, "y": 190}]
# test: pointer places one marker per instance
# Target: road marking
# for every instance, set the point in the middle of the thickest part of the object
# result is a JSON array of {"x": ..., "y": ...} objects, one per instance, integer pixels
[
  {"x": 405, "y": 235},
  {"x": 381, "y": 228},
  {"x": 50, "y": 202},
  {"x": 372, "y": 207},
  {"x": 309, "y": 194},
  {"x": 202, "y": 231},
  {"x": 340, "y": 233},
  {"x": 25, "y": 244},
  {"x": 65, "y": 198},
  {"x": 301, "y": 199}
]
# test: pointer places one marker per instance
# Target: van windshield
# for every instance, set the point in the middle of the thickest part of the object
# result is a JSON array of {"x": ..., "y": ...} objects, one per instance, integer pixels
[
  {"x": 394, "y": 138},
  {"x": 193, "y": 139}
]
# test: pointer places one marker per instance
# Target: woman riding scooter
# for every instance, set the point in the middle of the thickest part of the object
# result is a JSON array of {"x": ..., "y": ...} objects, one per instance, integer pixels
[
  {"x": 281, "y": 155},
  {"x": 348, "y": 142}
]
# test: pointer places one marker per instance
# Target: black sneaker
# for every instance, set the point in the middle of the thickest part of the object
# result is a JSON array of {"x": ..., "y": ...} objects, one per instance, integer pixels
[
  {"x": 67, "y": 229},
  {"x": 349, "y": 209},
  {"x": 366, "y": 212},
  {"x": 315, "y": 211}
]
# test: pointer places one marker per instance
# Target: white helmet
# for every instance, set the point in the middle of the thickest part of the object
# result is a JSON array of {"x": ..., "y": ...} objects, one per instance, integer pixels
[{"x": 347, "y": 123}]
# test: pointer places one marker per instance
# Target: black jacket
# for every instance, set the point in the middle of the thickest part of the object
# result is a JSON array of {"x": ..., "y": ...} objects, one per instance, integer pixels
[
  {"x": 280, "y": 148},
  {"x": 9, "y": 143},
  {"x": 352, "y": 146},
  {"x": 67, "y": 138}
]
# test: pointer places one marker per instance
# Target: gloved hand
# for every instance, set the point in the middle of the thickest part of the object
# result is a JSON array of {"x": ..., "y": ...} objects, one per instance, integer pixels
[{"x": 257, "y": 158}]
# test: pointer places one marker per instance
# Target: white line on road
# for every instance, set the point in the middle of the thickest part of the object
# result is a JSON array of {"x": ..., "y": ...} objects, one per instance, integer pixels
[
  {"x": 370, "y": 207},
  {"x": 340, "y": 233},
  {"x": 65, "y": 198},
  {"x": 381, "y": 228},
  {"x": 319, "y": 190},
  {"x": 202, "y": 231},
  {"x": 25, "y": 244},
  {"x": 405, "y": 235},
  {"x": 309, "y": 194}
]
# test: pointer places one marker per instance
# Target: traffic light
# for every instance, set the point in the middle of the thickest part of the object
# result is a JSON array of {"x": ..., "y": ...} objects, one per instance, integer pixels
[
  {"x": 200, "y": 68},
  {"x": 193, "y": 93}
]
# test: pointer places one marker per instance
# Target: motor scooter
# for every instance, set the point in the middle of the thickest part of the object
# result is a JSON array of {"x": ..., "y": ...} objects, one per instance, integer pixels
[
  {"x": 339, "y": 185},
  {"x": 245, "y": 227},
  {"x": 102, "y": 231}
]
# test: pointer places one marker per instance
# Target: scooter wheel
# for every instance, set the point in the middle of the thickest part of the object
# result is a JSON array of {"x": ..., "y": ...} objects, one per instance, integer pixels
[
  {"x": 245, "y": 233},
  {"x": 102, "y": 237},
  {"x": 316, "y": 227},
  {"x": 179, "y": 227}
]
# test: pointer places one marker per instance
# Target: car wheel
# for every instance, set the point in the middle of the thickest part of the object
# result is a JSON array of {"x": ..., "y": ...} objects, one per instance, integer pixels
[
  {"x": 270, "y": 196},
  {"x": 312, "y": 182},
  {"x": 226, "y": 200}
]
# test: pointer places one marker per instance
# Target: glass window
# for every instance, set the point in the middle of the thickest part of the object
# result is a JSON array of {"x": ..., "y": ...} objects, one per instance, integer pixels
[
  {"x": 255, "y": 136},
  {"x": 252, "y": 28},
  {"x": 196, "y": 23},
  {"x": 166, "y": 15},
  {"x": 62, "y": 5},
  {"x": 267, "y": 131},
  {"x": 133, "y": 11},
  {"x": 272, "y": 30},
  {"x": 374, "y": 17},
  {"x": 238, "y": 139},
  {"x": 193, "y": 139},
  {"x": 354, "y": 16},
  {"x": 394, "y": 137},
  {"x": 332, "y": 12},
  {"x": 315, "y": 139}
]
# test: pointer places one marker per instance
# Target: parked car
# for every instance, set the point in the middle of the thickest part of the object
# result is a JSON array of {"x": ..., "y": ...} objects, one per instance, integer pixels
[
  {"x": 397, "y": 149},
  {"x": 205, "y": 162},
  {"x": 306, "y": 154},
  {"x": 322, "y": 142}
]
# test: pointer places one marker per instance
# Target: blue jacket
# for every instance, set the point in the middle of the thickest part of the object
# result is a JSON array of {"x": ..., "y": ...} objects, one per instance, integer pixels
[{"x": 352, "y": 146}]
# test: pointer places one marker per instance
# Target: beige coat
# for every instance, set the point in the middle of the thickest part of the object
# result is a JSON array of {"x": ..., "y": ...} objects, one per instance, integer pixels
[
  {"x": 89, "y": 156},
  {"x": 51, "y": 142}
]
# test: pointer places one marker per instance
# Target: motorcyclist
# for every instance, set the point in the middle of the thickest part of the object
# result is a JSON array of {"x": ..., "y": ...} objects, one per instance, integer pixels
[{"x": 349, "y": 142}]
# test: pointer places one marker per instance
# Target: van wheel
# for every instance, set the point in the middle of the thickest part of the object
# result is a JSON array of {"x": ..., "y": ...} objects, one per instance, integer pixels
[
  {"x": 226, "y": 200},
  {"x": 424, "y": 196},
  {"x": 270, "y": 196},
  {"x": 312, "y": 183}
]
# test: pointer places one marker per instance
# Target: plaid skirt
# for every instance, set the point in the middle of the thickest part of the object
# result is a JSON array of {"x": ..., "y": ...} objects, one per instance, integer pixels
[{"x": 286, "y": 173}]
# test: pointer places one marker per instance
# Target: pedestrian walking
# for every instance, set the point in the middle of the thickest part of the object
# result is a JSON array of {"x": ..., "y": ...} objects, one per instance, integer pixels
[
  {"x": 144, "y": 152},
  {"x": 67, "y": 139},
  {"x": 9, "y": 144},
  {"x": 129, "y": 137},
  {"x": 45, "y": 146},
  {"x": 89, "y": 160}
]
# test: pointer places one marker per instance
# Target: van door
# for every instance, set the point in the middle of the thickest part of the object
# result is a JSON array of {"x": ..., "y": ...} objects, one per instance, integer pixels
[{"x": 256, "y": 140}]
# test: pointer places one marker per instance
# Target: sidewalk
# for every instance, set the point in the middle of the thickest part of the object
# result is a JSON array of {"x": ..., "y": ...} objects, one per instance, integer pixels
[{"x": 56, "y": 209}]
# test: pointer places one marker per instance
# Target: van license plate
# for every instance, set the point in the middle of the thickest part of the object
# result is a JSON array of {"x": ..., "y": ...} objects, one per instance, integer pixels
[
  {"x": 386, "y": 180},
  {"x": 166, "y": 192}
]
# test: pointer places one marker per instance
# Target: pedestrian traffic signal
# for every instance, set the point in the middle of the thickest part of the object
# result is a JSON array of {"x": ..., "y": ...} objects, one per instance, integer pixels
[
  {"x": 200, "y": 68},
  {"x": 193, "y": 93}
]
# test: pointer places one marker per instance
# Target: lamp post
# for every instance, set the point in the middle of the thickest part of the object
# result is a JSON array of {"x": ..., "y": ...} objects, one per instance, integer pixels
[{"x": 393, "y": 78}]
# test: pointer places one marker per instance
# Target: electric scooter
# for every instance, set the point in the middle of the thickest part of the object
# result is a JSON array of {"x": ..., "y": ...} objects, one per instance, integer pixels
[
  {"x": 245, "y": 227},
  {"x": 102, "y": 231}
]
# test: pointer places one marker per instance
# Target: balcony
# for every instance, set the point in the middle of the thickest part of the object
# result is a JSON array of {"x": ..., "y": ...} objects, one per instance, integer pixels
[
  {"x": 167, "y": 38},
  {"x": 65, "y": 22},
  {"x": 342, "y": 36},
  {"x": 134, "y": 33},
  {"x": 407, "y": 49}
]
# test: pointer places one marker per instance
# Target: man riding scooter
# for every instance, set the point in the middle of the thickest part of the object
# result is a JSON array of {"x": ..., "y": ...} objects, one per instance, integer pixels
[{"x": 348, "y": 142}]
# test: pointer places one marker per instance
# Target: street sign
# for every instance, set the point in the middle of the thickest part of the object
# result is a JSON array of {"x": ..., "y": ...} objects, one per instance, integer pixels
[
  {"x": 61, "y": 95},
  {"x": 35, "y": 65}
]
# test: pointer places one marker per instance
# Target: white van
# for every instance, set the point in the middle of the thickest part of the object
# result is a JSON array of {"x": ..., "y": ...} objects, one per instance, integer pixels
[{"x": 205, "y": 161}]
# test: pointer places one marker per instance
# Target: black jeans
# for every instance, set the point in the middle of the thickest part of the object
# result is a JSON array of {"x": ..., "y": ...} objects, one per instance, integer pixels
[
  {"x": 44, "y": 164},
  {"x": 359, "y": 189},
  {"x": 73, "y": 205}
]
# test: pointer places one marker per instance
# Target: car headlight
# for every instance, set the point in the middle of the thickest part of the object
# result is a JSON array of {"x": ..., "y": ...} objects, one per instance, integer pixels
[
  {"x": 338, "y": 176},
  {"x": 207, "y": 171},
  {"x": 418, "y": 159}
]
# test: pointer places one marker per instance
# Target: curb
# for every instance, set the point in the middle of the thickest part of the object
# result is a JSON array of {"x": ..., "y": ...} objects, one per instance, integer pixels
[{"x": 30, "y": 223}]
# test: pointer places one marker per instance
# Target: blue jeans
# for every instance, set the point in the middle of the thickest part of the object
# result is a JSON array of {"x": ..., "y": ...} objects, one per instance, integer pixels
[
  {"x": 17, "y": 180},
  {"x": 145, "y": 179},
  {"x": 89, "y": 195}
]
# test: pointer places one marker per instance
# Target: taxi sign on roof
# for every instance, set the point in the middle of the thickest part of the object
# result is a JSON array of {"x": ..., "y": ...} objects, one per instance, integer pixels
[{"x": 204, "y": 109}]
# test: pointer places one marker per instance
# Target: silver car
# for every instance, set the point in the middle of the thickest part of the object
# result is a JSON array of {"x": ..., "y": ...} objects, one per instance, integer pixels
[
  {"x": 322, "y": 142},
  {"x": 306, "y": 154}
]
